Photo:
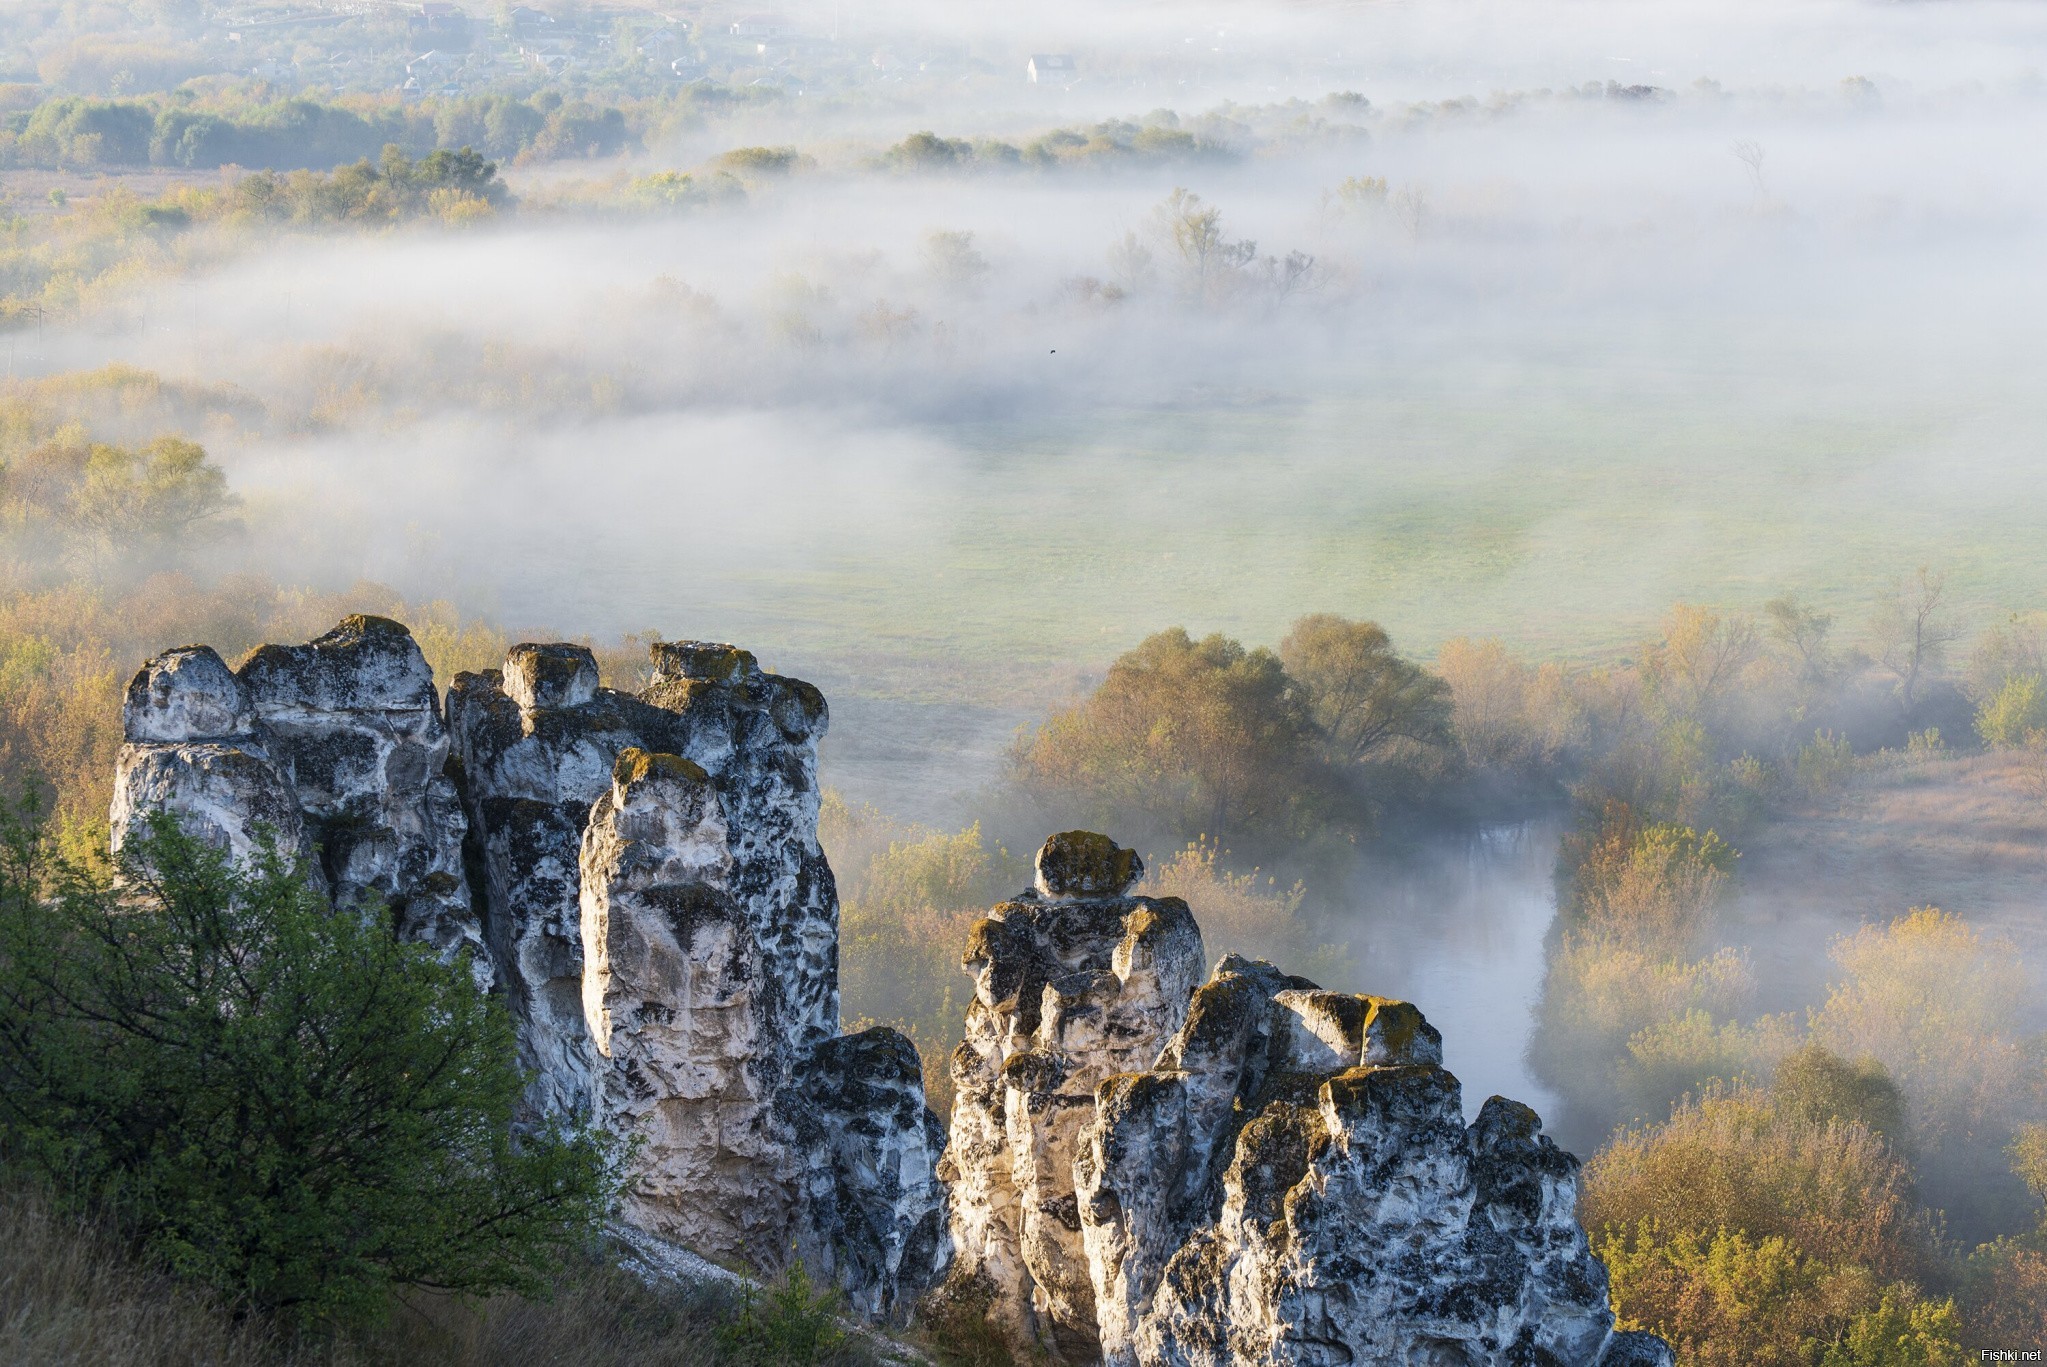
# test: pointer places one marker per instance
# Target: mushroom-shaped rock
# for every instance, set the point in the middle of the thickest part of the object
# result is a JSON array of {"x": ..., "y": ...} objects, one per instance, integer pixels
[{"x": 1084, "y": 864}]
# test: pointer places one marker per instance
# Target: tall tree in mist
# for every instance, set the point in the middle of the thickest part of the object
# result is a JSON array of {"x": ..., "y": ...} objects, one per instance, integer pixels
[
  {"x": 1802, "y": 629},
  {"x": 1914, "y": 629},
  {"x": 1361, "y": 695}
]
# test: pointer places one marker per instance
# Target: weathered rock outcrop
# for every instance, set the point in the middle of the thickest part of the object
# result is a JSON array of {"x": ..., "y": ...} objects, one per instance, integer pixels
[
  {"x": 336, "y": 748},
  {"x": 1144, "y": 1167},
  {"x": 651, "y": 898},
  {"x": 1073, "y": 981},
  {"x": 354, "y": 720},
  {"x": 192, "y": 749},
  {"x": 1257, "y": 1171}
]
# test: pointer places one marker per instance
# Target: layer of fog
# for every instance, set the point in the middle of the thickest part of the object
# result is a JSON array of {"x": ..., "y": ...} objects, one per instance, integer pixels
[
  {"x": 949, "y": 495},
  {"x": 624, "y": 423},
  {"x": 1458, "y": 930}
]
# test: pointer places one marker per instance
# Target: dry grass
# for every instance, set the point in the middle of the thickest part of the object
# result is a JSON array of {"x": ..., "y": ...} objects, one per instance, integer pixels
[
  {"x": 71, "y": 1295},
  {"x": 1966, "y": 833}
]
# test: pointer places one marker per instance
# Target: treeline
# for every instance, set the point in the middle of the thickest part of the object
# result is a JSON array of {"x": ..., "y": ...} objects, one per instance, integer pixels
[
  {"x": 1840, "y": 1186},
  {"x": 297, "y": 134}
]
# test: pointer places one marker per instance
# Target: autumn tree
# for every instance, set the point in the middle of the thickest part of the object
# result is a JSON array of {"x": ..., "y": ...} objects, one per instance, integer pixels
[
  {"x": 1361, "y": 695},
  {"x": 1913, "y": 630},
  {"x": 1188, "y": 737}
]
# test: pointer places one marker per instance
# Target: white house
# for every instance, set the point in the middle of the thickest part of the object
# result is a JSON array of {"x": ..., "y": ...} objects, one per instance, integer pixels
[
  {"x": 760, "y": 26},
  {"x": 1046, "y": 68}
]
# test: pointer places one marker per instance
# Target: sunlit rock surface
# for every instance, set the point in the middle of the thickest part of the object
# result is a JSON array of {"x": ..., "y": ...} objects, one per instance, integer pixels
[
  {"x": 1074, "y": 981},
  {"x": 336, "y": 748},
  {"x": 354, "y": 721},
  {"x": 672, "y": 998},
  {"x": 1251, "y": 1171},
  {"x": 191, "y": 747},
  {"x": 649, "y": 895}
]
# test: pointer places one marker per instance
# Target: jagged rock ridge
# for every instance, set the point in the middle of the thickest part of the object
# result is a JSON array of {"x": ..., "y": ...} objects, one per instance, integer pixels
[
  {"x": 638, "y": 873},
  {"x": 1249, "y": 1171},
  {"x": 1144, "y": 1167}
]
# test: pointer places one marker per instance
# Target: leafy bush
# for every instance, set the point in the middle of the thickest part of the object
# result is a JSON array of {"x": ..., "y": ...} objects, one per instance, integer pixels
[
  {"x": 1504, "y": 713},
  {"x": 1825, "y": 764},
  {"x": 1652, "y": 884},
  {"x": 1724, "y": 1299},
  {"x": 1735, "y": 1159},
  {"x": 1936, "y": 1003},
  {"x": 1684, "y": 1055},
  {"x": 789, "y": 1323},
  {"x": 2015, "y": 714},
  {"x": 278, "y": 1101},
  {"x": 1188, "y": 737},
  {"x": 1817, "y": 1085},
  {"x": 1600, "y": 994}
]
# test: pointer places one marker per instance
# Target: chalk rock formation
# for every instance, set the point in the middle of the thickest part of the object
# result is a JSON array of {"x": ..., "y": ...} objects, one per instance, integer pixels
[
  {"x": 192, "y": 748},
  {"x": 335, "y": 747},
  {"x": 672, "y": 997},
  {"x": 1074, "y": 980},
  {"x": 653, "y": 903},
  {"x": 353, "y": 718},
  {"x": 1257, "y": 1171},
  {"x": 537, "y": 743},
  {"x": 534, "y": 745}
]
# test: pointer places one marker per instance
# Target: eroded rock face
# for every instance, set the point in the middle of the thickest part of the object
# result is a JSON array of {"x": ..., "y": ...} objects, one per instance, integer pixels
[
  {"x": 335, "y": 747},
  {"x": 667, "y": 929},
  {"x": 671, "y": 994},
  {"x": 193, "y": 748},
  {"x": 1073, "y": 981},
  {"x": 1328, "y": 1204},
  {"x": 652, "y": 901},
  {"x": 1286, "y": 1179},
  {"x": 875, "y": 1207},
  {"x": 537, "y": 742},
  {"x": 354, "y": 720}
]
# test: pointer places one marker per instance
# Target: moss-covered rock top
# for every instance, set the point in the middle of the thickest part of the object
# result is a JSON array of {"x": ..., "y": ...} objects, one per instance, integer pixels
[
  {"x": 1086, "y": 864},
  {"x": 635, "y": 765}
]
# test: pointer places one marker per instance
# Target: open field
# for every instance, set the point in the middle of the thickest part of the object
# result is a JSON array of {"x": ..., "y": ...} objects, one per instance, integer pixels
[{"x": 1967, "y": 834}]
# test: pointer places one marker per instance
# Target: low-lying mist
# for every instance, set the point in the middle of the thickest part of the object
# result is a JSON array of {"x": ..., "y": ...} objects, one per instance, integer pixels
[{"x": 1545, "y": 361}]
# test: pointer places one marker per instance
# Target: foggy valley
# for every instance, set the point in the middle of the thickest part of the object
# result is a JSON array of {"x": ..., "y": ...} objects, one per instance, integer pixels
[{"x": 1528, "y": 510}]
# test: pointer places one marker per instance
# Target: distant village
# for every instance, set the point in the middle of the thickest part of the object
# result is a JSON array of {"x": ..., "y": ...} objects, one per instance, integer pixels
[{"x": 453, "y": 49}]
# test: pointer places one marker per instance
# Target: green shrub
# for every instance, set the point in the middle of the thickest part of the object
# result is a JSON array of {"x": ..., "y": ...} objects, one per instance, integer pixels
[
  {"x": 1815, "y": 1084},
  {"x": 789, "y": 1323},
  {"x": 280, "y": 1102},
  {"x": 1724, "y": 1299},
  {"x": 1823, "y": 765},
  {"x": 2014, "y": 713}
]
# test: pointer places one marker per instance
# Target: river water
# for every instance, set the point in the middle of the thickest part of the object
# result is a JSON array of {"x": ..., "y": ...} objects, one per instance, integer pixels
[{"x": 1459, "y": 932}]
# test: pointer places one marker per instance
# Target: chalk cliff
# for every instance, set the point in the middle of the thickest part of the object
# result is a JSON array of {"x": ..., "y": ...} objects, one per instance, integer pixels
[{"x": 639, "y": 874}]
